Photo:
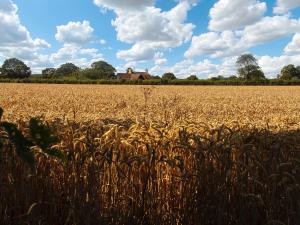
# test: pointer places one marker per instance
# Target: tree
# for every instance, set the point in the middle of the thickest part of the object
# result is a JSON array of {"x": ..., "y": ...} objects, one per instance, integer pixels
[
  {"x": 66, "y": 69},
  {"x": 102, "y": 70},
  {"x": 289, "y": 72},
  {"x": 248, "y": 67},
  {"x": 156, "y": 77},
  {"x": 169, "y": 76},
  {"x": 298, "y": 68},
  {"x": 48, "y": 72},
  {"x": 15, "y": 68},
  {"x": 217, "y": 78},
  {"x": 232, "y": 77},
  {"x": 192, "y": 77}
]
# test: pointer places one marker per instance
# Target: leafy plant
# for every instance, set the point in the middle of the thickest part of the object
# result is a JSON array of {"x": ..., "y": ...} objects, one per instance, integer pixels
[{"x": 40, "y": 135}]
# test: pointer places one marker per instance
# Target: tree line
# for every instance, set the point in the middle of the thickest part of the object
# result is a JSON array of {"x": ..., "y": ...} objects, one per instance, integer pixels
[{"x": 247, "y": 69}]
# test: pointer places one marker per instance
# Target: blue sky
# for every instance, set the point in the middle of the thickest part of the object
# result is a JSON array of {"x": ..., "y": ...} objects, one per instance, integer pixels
[{"x": 201, "y": 37}]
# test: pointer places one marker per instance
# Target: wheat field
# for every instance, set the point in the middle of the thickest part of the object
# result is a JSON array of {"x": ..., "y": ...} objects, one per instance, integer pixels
[
  {"x": 277, "y": 107},
  {"x": 151, "y": 155}
]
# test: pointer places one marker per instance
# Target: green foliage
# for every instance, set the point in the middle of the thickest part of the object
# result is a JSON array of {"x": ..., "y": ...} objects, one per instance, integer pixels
[
  {"x": 156, "y": 77},
  {"x": 169, "y": 76},
  {"x": 251, "y": 72},
  {"x": 192, "y": 77},
  {"x": 289, "y": 72},
  {"x": 101, "y": 70},
  {"x": 48, "y": 73},
  {"x": 233, "y": 77},
  {"x": 66, "y": 69},
  {"x": 39, "y": 135},
  {"x": 246, "y": 59},
  {"x": 217, "y": 78},
  {"x": 95, "y": 74},
  {"x": 82, "y": 80},
  {"x": 22, "y": 145},
  {"x": 15, "y": 68},
  {"x": 298, "y": 69},
  {"x": 248, "y": 68}
]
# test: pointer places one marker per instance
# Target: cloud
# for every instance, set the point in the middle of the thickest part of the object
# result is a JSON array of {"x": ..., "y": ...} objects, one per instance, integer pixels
[
  {"x": 157, "y": 28},
  {"x": 120, "y": 5},
  {"x": 227, "y": 67},
  {"x": 215, "y": 45},
  {"x": 283, "y": 6},
  {"x": 203, "y": 69},
  {"x": 82, "y": 57},
  {"x": 294, "y": 46},
  {"x": 269, "y": 29},
  {"x": 15, "y": 39},
  {"x": 272, "y": 65},
  {"x": 102, "y": 42},
  {"x": 234, "y": 14},
  {"x": 148, "y": 28},
  {"x": 231, "y": 43},
  {"x": 139, "y": 52},
  {"x": 77, "y": 33},
  {"x": 159, "y": 59},
  {"x": 15, "y": 36}
]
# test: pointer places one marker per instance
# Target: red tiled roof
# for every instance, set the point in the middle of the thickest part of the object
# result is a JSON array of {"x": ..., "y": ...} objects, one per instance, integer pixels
[{"x": 134, "y": 76}]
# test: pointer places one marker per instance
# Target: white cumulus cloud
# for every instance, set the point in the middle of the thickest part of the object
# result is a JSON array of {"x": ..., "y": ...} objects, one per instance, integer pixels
[
  {"x": 269, "y": 29},
  {"x": 294, "y": 46},
  {"x": 75, "y": 32},
  {"x": 15, "y": 39},
  {"x": 148, "y": 28},
  {"x": 14, "y": 36},
  {"x": 82, "y": 57},
  {"x": 283, "y": 6},
  {"x": 121, "y": 5},
  {"x": 215, "y": 44},
  {"x": 272, "y": 65},
  {"x": 234, "y": 14}
]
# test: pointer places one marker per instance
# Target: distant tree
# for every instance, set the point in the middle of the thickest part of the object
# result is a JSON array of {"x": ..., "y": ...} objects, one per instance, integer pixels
[
  {"x": 156, "y": 77},
  {"x": 298, "y": 68},
  {"x": 48, "y": 72},
  {"x": 217, "y": 78},
  {"x": 15, "y": 68},
  {"x": 94, "y": 74},
  {"x": 257, "y": 74},
  {"x": 66, "y": 69},
  {"x": 192, "y": 77},
  {"x": 289, "y": 72},
  {"x": 169, "y": 76},
  {"x": 248, "y": 67},
  {"x": 232, "y": 77},
  {"x": 1, "y": 73},
  {"x": 102, "y": 70}
]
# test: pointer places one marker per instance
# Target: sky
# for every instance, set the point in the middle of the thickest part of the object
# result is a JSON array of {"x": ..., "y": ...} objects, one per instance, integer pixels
[{"x": 201, "y": 37}]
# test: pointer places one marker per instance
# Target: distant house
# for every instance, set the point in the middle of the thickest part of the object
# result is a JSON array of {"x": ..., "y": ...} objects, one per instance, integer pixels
[{"x": 131, "y": 75}]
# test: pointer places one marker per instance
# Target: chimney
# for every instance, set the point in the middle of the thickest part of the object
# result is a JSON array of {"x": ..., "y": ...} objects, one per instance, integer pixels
[{"x": 129, "y": 71}]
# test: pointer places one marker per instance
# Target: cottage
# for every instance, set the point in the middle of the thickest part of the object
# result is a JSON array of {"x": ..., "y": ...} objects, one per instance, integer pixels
[{"x": 131, "y": 75}]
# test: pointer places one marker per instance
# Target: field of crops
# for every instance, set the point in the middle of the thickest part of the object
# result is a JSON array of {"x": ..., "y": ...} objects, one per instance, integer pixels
[
  {"x": 276, "y": 106},
  {"x": 150, "y": 155}
]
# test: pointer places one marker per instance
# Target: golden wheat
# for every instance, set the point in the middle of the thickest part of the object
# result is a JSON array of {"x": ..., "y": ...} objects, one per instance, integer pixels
[
  {"x": 277, "y": 107},
  {"x": 155, "y": 155}
]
